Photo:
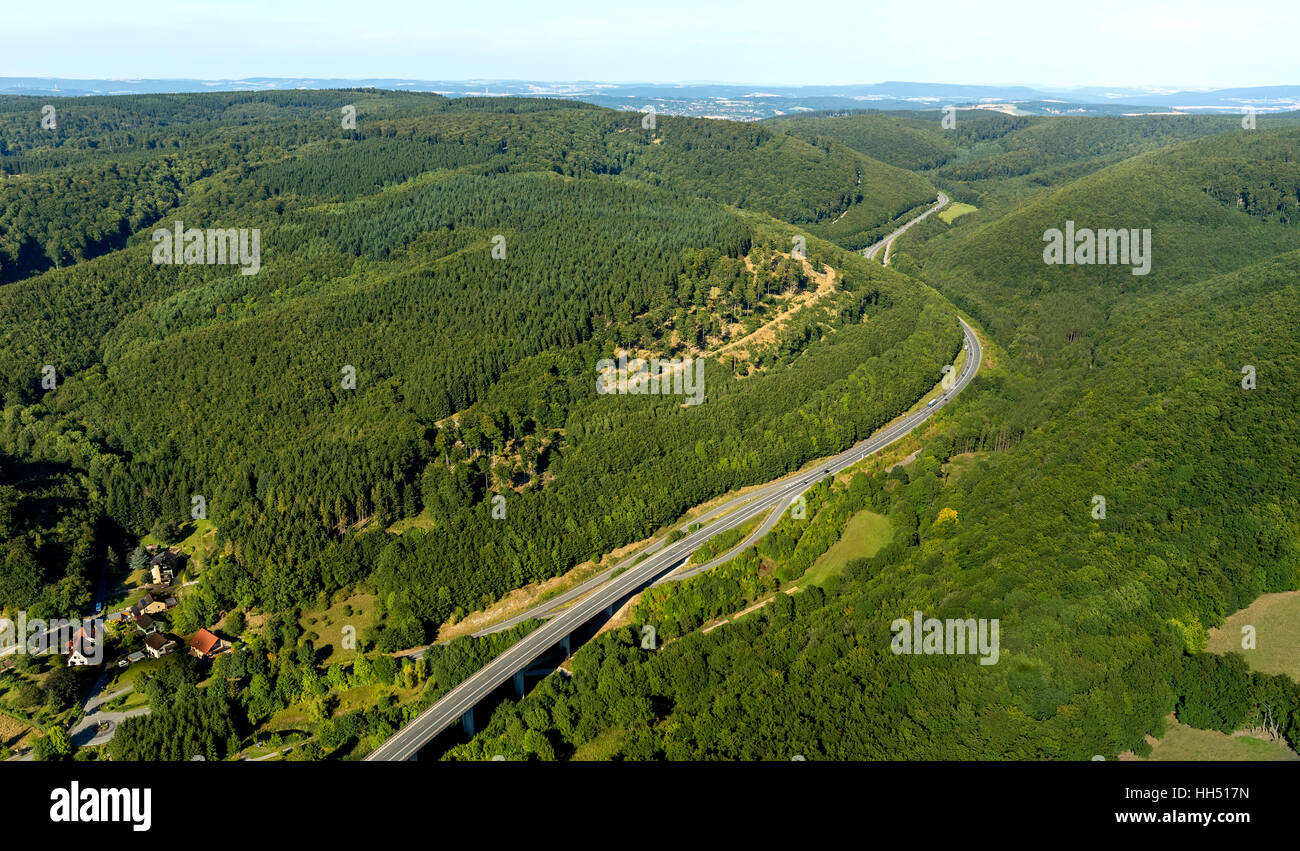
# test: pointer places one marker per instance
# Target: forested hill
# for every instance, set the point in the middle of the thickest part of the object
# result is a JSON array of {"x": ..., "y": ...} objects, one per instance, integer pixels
[
  {"x": 1102, "y": 620},
  {"x": 436, "y": 287},
  {"x": 434, "y": 291},
  {"x": 911, "y": 141},
  {"x": 1112, "y": 488},
  {"x": 989, "y": 158},
  {"x": 1131, "y": 387},
  {"x": 112, "y": 166},
  {"x": 1212, "y": 205}
]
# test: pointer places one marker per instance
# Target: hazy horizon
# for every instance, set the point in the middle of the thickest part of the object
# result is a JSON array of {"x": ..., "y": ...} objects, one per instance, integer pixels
[
  {"x": 758, "y": 86},
  {"x": 1159, "y": 45}
]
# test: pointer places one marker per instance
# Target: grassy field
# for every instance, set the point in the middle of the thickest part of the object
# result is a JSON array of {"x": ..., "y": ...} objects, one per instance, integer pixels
[
  {"x": 424, "y": 520},
  {"x": 199, "y": 545},
  {"x": 1276, "y": 618},
  {"x": 126, "y": 702},
  {"x": 603, "y": 747},
  {"x": 959, "y": 464},
  {"x": 956, "y": 209},
  {"x": 297, "y": 717},
  {"x": 356, "y": 611},
  {"x": 1183, "y": 743},
  {"x": 131, "y": 674},
  {"x": 16, "y": 735},
  {"x": 864, "y": 534},
  {"x": 128, "y": 590}
]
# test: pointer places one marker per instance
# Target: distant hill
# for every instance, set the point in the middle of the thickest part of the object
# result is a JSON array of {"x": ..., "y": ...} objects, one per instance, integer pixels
[
  {"x": 102, "y": 142},
  {"x": 881, "y": 135},
  {"x": 1212, "y": 205},
  {"x": 726, "y": 100}
]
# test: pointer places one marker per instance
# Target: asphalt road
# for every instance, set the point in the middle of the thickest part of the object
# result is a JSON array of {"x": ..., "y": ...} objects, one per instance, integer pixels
[
  {"x": 406, "y": 742},
  {"x": 871, "y": 251},
  {"x": 87, "y": 733},
  {"x": 549, "y": 608}
]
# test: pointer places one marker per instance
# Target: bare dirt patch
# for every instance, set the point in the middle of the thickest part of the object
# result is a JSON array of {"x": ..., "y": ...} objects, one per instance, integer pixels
[
  {"x": 767, "y": 332},
  {"x": 793, "y": 589}
]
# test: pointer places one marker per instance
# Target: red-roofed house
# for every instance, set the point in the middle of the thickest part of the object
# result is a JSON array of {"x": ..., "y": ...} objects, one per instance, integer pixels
[
  {"x": 82, "y": 649},
  {"x": 205, "y": 644}
]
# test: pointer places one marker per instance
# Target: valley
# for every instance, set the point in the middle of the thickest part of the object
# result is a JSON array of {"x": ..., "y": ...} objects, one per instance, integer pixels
[{"x": 364, "y": 442}]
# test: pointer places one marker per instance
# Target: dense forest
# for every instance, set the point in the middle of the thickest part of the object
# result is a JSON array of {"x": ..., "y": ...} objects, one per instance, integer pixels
[
  {"x": 990, "y": 158},
  {"x": 436, "y": 288},
  {"x": 1106, "y": 385}
]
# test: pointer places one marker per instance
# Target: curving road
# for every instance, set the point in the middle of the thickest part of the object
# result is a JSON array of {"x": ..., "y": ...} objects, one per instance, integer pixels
[
  {"x": 889, "y": 240},
  {"x": 406, "y": 742},
  {"x": 552, "y": 606}
]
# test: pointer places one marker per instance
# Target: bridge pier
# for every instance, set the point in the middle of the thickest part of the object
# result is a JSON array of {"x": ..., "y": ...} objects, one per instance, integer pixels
[
  {"x": 519, "y": 685},
  {"x": 467, "y": 722},
  {"x": 566, "y": 646}
]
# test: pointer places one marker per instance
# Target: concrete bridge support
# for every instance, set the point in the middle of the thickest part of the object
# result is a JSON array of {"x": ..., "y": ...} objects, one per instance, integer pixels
[{"x": 467, "y": 722}]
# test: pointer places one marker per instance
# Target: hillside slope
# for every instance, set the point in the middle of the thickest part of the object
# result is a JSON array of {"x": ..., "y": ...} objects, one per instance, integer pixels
[
  {"x": 1125, "y": 388},
  {"x": 433, "y": 294}
]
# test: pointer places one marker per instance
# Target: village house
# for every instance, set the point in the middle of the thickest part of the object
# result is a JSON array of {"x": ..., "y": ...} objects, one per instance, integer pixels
[
  {"x": 158, "y": 645},
  {"x": 82, "y": 650},
  {"x": 147, "y": 625},
  {"x": 162, "y": 568},
  {"x": 206, "y": 644},
  {"x": 151, "y": 605}
]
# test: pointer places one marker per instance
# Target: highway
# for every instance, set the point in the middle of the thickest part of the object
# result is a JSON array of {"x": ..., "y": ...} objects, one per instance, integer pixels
[
  {"x": 887, "y": 241},
  {"x": 770, "y": 500},
  {"x": 549, "y": 608}
]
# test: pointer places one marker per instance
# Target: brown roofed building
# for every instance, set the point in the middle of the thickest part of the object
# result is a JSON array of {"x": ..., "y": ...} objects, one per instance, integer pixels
[
  {"x": 158, "y": 645},
  {"x": 151, "y": 605},
  {"x": 162, "y": 567},
  {"x": 205, "y": 644}
]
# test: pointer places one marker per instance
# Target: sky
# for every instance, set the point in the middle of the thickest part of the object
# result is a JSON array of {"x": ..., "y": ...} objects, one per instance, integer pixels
[{"x": 1183, "y": 44}]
